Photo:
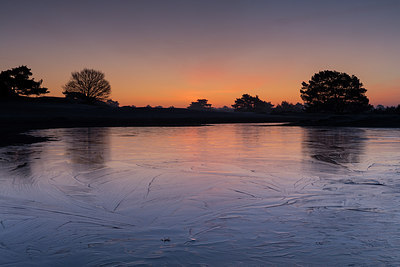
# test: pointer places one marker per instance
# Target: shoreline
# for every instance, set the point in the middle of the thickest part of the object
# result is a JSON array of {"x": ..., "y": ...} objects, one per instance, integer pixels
[{"x": 19, "y": 117}]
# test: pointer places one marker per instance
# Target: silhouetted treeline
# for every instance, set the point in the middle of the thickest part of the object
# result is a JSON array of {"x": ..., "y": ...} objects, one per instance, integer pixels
[
  {"x": 286, "y": 107},
  {"x": 248, "y": 103},
  {"x": 326, "y": 92},
  {"x": 380, "y": 109}
]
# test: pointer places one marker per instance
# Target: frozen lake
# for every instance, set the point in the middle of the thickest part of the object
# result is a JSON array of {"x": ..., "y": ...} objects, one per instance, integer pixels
[{"x": 242, "y": 194}]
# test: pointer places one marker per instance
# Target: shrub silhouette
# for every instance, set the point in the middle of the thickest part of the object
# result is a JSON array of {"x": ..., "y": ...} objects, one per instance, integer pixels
[
  {"x": 286, "y": 107},
  {"x": 200, "y": 104},
  {"x": 251, "y": 104}
]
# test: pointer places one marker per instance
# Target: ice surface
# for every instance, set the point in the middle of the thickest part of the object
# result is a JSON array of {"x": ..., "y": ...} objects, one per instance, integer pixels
[{"x": 242, "y": 194}]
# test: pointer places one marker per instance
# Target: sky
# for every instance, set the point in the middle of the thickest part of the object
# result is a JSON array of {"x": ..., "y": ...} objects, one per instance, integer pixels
[{"x": 173, "y": 52}]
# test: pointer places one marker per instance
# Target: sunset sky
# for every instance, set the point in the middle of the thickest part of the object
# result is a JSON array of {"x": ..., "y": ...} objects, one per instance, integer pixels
[{"x": 172, "y": 52}]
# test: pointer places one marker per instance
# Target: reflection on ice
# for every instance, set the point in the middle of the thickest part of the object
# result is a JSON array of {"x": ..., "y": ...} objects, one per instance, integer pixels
[
  {"x": 220, "y": 195},
  {"x": 87, "y": 146},
  {"x": 20, "y": 161},
  {"x": 340, "y": 146}
]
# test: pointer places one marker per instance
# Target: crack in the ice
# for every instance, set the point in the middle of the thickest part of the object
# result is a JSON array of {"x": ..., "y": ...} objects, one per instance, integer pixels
[
  {"x": 245, "y": 193},
  {"x": 149, "y": 186}
]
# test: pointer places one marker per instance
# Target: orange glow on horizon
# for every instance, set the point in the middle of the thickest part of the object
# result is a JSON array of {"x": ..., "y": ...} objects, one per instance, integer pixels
[{"x": 218, "y": 83}]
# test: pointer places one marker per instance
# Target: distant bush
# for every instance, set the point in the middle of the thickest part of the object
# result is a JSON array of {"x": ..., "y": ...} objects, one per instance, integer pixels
[
  {"x": 78, "y": 96},
  {"x": 380, "y": 109},
  {"x": 248, "y": 103},
  {"x": 225, "y": 109},
  {"x": 112, "y": 103},
  {"x": 200, "y": 104},
  {"x": 286, "y": 107}
]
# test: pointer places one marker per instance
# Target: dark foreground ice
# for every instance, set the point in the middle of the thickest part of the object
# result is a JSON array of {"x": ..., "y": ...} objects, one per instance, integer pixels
[{"x": 216, "y": 195}]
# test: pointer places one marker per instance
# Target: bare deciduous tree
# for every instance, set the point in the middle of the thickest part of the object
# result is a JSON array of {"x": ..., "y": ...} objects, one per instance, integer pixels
[{"x": 90, "y": 84}]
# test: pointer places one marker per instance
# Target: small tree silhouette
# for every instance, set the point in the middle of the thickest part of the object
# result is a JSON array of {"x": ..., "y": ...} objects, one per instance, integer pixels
[
  {"x": 200, "y": 104},
  {"x": 16, "y": 81},
  {"x": 251, "y": 104},
  {"x": 88, "y": 84},
  {"x": 332, "y": 91}
]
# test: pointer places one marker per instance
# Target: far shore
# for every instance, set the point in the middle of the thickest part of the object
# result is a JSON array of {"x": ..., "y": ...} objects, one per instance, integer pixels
[{"x": 20, "y": 116}]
